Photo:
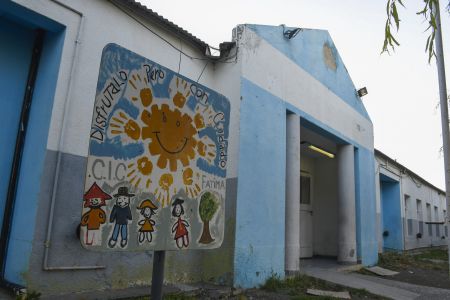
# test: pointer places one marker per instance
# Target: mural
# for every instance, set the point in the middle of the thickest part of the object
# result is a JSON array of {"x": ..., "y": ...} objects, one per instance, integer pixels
[{"x": 158, "y": 145}]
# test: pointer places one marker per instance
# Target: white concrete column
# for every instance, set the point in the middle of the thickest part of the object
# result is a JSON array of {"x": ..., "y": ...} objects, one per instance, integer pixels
[
  {"x": 292, "y": 208},
  {"x": 346, "y": 205}
]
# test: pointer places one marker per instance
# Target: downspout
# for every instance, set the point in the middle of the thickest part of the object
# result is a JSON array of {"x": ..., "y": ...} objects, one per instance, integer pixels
[{"x": 48, "y": 237}]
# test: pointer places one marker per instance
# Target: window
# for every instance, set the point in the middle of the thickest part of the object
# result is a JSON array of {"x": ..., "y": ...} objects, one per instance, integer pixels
[
  {"x": 430, "y": 226},
  {"x": 305, "y": 190},
  {"x": 444, "y": 215},
  {"x": 419, "y": 210},
  {"x": 436, "y": 218},
  {"x": 408, "y": 214}
]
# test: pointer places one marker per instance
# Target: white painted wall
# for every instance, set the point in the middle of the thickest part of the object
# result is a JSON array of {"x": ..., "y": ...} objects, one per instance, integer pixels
[
  {"x": 297, "y": 87},
  {"x": 104, "y": 23},
  {"x": 416, "y": 189}
]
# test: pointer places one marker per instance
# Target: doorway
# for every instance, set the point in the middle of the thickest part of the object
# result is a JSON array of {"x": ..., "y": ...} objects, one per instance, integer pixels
[
  {"x": 15, "y": 57},
  {"x": 306, "y": 216},
  {"x": 391, "y": 209}
]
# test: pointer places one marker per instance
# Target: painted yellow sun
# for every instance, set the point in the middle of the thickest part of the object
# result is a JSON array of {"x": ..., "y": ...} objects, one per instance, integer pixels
[
  {"x": 172, "y": 136},
  {"x": 171, "y": 132}
]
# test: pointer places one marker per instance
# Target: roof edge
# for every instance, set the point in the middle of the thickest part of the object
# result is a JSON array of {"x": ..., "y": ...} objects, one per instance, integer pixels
[
  {"x": 391, "y": 160},
  {"x": 145, "y": 12}
]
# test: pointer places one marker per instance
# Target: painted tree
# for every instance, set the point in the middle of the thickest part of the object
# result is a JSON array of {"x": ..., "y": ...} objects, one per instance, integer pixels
[{"x": 207, "y": 208}]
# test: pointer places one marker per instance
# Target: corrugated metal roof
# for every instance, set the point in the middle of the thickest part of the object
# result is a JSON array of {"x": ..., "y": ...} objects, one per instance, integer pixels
[{"x": 146, "y": 12}]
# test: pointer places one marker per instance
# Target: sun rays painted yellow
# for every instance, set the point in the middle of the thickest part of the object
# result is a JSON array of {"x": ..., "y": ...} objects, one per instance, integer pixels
[
  {"x": 121, "y": 123},
  {"x": 162, "y": 192},
  {"x": 139, "y": 173},
  {"x": 169, "y": 132}
]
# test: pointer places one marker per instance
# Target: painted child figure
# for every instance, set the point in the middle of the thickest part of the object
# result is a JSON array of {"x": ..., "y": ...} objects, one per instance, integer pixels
[
  {"x": 94, "y": 198},
  {"x": 180, "y": 226},
  {"x": 120, "y": 214},
  {"x": 147, "y": 211}
]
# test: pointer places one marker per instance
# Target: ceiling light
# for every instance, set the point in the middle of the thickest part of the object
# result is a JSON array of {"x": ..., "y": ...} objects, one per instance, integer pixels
[{"x": 318, "y": 149}]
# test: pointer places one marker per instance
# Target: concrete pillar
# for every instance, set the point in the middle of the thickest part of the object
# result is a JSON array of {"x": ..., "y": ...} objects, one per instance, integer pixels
[
  {"x": 346, "y": 205},
  {"x": 292, "y": 207}
]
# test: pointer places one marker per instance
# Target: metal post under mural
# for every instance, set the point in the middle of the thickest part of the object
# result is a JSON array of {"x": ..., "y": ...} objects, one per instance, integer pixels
[
  {"x": 158, "y": 274},
  {"x": 444, "y": 108}
]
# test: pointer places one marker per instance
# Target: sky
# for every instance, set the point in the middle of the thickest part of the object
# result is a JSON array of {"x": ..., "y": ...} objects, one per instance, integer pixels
[{"x": 403, "y": 94}]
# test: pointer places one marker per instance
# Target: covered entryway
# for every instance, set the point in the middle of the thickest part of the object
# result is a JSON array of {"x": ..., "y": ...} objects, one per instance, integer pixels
[
  {"x": 325, "y": 194},
  {"x": 318, "y": 195}
]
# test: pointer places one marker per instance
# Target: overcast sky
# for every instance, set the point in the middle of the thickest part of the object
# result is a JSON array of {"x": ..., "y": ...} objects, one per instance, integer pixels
[{"x": 403, "y": 90}]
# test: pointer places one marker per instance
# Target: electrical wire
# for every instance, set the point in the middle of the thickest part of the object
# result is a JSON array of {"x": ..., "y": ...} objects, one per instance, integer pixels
[
  {"x": 202, "y": 71},
  {"x": 179, "y": 61}
]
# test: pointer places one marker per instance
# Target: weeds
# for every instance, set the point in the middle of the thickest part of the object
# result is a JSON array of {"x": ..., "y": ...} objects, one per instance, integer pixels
[
  {"x": 298, "y": 285},
  {"x": 401, "y": 261}
]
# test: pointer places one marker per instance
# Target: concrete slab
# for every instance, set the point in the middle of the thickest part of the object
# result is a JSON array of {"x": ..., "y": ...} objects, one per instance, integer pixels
[
  {"x": 357, "y": 282},
  {"x": 381, "y": 271},
  {"x": 339, "y": 295}
]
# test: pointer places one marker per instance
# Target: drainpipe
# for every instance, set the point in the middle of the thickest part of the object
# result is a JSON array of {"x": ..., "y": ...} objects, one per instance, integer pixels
[{"x": 66, "y": 106}]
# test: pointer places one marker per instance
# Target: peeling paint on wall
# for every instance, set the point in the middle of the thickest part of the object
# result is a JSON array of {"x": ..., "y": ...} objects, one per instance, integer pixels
[{"x": 329, "y": 57}]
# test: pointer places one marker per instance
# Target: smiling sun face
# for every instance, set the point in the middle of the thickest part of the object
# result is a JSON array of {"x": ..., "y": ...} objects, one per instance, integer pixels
[
  {"x": 172, "y": 136},
  {"x": 171, "y": 133}
]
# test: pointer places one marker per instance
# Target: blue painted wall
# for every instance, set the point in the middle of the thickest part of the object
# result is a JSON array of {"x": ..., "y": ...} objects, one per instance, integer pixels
[
  {"x": 306, "y": 50},
  {"x": 260, "y": 215},
  {"x": 367, "y": 243},
  {"x": 391, "y": 213},
  {"x": 260, "y": 211},
  {"x": 24, "y": 218},
  {"x": 15, "y": 57}
]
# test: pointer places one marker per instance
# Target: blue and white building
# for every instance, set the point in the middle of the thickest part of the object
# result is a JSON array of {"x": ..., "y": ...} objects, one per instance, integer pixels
[
  {"x": 300, "y": 154},
  {"x": 411, "y": 212}
]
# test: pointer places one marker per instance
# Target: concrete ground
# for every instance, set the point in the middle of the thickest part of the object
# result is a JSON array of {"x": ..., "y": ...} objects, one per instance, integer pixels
[
  {"x": 329, "y": 270},
  {"x": 326, "y": 269}
]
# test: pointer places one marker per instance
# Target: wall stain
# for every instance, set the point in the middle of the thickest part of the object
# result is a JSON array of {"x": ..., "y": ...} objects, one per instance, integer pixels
[{"x": 329, "y": 57}]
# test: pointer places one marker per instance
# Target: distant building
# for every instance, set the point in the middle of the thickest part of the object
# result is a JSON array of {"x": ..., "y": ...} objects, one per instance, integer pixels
[
  {"x": 411, "y": 211},
  {"x": 299, "y": 157}
]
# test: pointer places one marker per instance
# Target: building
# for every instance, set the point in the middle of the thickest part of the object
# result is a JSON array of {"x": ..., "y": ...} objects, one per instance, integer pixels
[
  {"x": 297, "y": 129},
  {"x": 410, "y": 211}
]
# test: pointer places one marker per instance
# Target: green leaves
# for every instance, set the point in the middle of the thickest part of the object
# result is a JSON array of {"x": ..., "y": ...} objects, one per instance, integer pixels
[
  {"x": 392, "y": 15},
  {"x": 428, "y": 12},
  {"x": 208, "y": 206}
]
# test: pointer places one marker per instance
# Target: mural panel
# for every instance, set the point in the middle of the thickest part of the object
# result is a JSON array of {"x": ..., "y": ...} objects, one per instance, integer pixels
[{"x": 156, "y": 171}]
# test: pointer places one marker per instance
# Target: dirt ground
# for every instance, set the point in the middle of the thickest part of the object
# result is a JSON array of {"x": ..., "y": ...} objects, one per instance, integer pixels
[
  {"x": 426, "y": 277},
  {"x": 427, "y": 267},
  {"x": 274, "y": 289},
  {"x": 278, "y": 289}
]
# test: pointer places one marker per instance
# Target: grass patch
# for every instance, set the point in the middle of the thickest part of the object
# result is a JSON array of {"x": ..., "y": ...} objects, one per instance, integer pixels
[
  {"x": 178, "y": 297},
  {"x": 398, "y": 261},
  {"x": 441, "y": 254},
  {"x": 297, "y": 287}
]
